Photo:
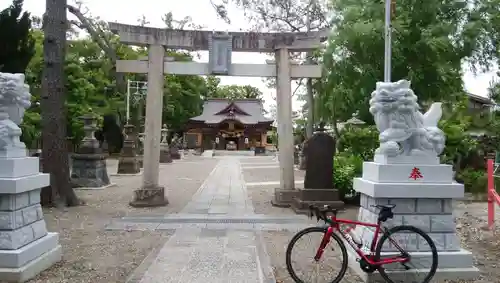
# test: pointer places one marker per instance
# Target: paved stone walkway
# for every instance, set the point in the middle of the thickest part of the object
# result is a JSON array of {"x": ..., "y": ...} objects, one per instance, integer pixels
[{"x": 217, "y": 235}]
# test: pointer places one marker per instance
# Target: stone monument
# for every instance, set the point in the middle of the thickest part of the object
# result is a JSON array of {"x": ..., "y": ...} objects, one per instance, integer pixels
[
  {"x": 89, "y": 162},
  {"x": 318, "y": 182},
  {"x": 406, "y": 171},
  {"x": 164, "y": 148},
  {"x": 26, "y": 248},
  {"x": 128, "y": 163},
  {"x": 174, "y": 147}
]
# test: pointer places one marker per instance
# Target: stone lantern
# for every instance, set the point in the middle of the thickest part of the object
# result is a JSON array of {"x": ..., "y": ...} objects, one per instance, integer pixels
[
  {"x": 128, "y": 162},
  {"x": 89, "y": 162}
]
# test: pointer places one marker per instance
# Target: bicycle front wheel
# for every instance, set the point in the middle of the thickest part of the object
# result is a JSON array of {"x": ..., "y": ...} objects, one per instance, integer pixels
[
  {"x": 420, "y": 268},
  {"x": 300, "y": 253}
]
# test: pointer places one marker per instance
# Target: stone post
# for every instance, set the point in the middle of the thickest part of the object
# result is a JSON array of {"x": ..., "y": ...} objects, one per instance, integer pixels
[
  {"x": 89, "y": 162},
  {"x": 408, "y": 174},
  {"x": 151, "y": 193},
  {"x": 284, "y": 194},
  {"x": 128, "y": 163},
  {"x": 164, "y": 148},
  {"x": 140, "y": 146},
  {"x": 26, "y": 248}
]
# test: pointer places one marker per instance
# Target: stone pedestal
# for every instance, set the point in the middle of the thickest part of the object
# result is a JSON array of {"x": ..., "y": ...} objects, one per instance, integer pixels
[
  {"x": 128, "y": 163},
  {"x": 89, "y": 163},
  {"x": 26, "y": 248},
  {"x": 165, "y": 156},
  {"x": 423, "y": 195},
  {"x": 174, "y": 152}
]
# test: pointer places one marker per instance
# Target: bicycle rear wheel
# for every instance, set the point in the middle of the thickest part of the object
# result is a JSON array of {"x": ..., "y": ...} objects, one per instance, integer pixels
[
  {"x": 333, "y": 272},
  {"x": 407, "y": 272}
]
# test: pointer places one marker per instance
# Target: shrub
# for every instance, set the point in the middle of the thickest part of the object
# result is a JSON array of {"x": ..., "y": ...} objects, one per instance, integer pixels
[
  {"x": 345, "y": 168},
  {"x": 475, "y": 181},
  {"x": 359, "y": 141}
]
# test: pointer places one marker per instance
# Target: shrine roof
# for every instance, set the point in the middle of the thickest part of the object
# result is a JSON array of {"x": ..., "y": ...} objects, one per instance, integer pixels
[{"x": 246, "y": 111}]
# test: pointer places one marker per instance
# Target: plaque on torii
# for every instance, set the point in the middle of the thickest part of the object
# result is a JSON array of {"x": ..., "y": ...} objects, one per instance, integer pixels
[{"x": 220, "y": 47}]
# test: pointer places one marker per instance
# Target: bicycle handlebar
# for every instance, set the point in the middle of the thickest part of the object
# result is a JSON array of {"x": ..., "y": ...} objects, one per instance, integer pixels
[{"x": 321, "y": 213}]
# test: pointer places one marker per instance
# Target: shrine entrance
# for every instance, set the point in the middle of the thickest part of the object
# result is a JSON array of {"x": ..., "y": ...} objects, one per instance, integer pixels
[{"x": 220, "y": 46}]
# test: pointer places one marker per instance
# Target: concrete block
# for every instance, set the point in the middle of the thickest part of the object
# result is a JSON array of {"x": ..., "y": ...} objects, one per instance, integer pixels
[
  {"x": 23, "y": 184},
  {"x": 420, "y": 221},
  {"x": 11, "y": 220},
  {"x": 442, "y": 223},
  {"x": 400, "y": 173},
  {"x": 9, "y": 202},
  {"x": 19, "y": 167},
  {"x": 404, "y": 205},
  {"x": 408, "y": 190},
  {"x": 14, "y": 239},
  {"x": 430, "y": 206},
  {"x": 20, "y": 257}
]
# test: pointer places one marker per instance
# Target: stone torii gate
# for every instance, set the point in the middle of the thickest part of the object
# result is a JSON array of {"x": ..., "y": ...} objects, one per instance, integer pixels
[{"x": 220, "y": 46}]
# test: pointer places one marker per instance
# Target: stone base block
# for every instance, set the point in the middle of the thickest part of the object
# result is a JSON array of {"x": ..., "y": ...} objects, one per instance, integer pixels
[
  {"x": 98, "y": 188},
  {"x": 149, "y": 197},
  {"x": 319, "y": 197},
  {"x": 91, "y": 173},
  {"x": 15, "y": 239},
  {"x": 283, "y": 198},
  {"x": 302, "y": 207},
  {"x": 24, "y": 184},
  {"x": 400, "y": 173},
  {"x": 165, "y": 156},
  {"x": 408, "y": 189},
  {"x": 32, "y": 268},
  {"x": 19, "y": 167},
  {"x": 452, "y": 266},
  {"x": 407, "y": 159},
  {"x": 128, "y": 165},
  {"x": 22, "y": 256},
  {"x": 11, "y": 202}
]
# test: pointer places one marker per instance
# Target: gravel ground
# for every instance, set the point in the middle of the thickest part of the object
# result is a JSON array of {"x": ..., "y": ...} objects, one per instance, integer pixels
[
  {"x": 91, "y": 254},
  {"x": 471, "y": 223}
]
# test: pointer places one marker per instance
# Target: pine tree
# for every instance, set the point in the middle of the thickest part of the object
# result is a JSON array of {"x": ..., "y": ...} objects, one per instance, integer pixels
[{"x": 17, "y": 46}]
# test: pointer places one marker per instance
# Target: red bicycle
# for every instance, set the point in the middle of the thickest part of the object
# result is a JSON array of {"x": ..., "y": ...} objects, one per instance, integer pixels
[{"x": 385, "y": 255}]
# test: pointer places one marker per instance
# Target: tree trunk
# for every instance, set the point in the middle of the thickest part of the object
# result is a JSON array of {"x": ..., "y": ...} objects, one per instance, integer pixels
[{"x": 54, "y": 150}]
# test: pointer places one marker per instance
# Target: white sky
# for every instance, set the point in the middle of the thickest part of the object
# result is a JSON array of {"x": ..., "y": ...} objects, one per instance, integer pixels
[{"x": 202, "y": 13}]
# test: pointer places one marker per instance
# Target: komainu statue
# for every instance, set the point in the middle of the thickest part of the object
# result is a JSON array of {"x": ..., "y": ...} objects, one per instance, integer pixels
[
  {"x": 404, "y": 130},
  {"x": 14, "y": 99}
]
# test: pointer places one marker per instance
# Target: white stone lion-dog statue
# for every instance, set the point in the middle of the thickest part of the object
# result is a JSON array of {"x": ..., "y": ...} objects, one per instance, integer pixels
[
  {"x": 15, "y": 98},
  {"x": 404, "y": 130}
]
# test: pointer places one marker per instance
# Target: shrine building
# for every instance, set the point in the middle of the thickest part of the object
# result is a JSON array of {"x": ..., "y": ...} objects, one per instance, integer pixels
[{"x": 231, "y": 124}]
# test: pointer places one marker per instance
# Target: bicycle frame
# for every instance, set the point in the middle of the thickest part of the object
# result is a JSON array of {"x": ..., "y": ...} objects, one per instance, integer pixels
[{"x": 335, "y": 225}]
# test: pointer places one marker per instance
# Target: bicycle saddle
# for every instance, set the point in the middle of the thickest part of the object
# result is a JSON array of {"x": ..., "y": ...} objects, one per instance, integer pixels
[{"x": 384, "y": 206}]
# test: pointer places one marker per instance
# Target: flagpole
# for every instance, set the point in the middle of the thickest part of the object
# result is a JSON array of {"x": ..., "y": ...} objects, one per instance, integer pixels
[{"x": 387, "y": 55}]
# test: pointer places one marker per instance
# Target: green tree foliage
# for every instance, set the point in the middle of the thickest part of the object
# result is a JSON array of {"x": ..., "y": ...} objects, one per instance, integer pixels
[
  {"x": 17, "y": 45},
  {"x": 431, "y": 39},
  {"x": 238, "y": 92}
]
